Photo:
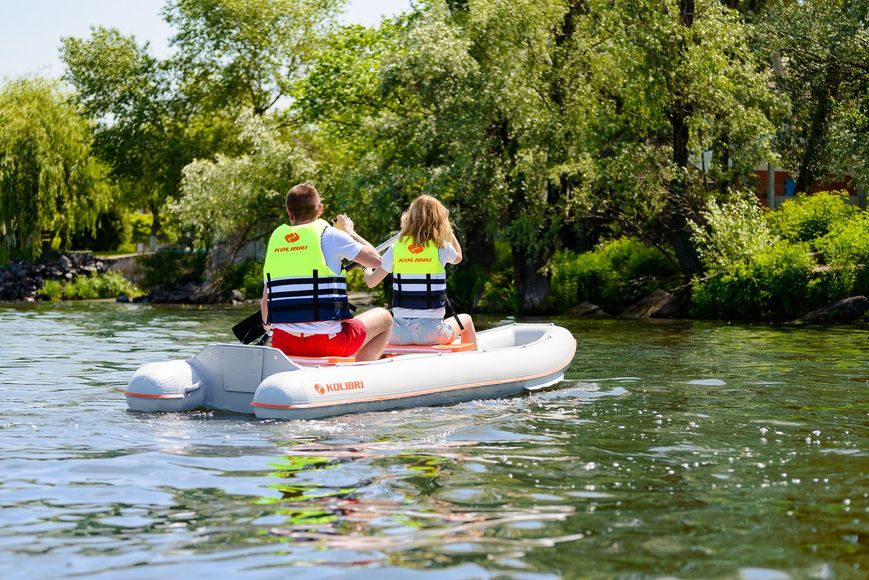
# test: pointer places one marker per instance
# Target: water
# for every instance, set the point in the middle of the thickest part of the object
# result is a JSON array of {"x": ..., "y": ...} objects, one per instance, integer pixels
[{"x": 674, "y": 449}]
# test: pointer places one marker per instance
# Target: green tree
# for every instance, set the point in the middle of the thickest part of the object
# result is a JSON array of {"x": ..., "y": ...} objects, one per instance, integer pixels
[
  {"x": 237, "y": 199},
  {"x": 49, "y": 182},
  {"x": 245, "y": 53},
  {"x": 550, "y": 123},
  {"x": 145, "y": 131},
  {"x": 821, "y": 48},
  {"x": 155, "y": 117}
]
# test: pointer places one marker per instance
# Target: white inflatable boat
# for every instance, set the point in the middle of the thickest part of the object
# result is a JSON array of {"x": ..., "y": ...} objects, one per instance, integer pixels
[{"x": 263, "y": 381}]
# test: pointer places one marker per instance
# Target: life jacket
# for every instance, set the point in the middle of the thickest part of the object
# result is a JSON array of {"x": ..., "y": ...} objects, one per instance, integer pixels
[
  {"x": 301, "y": 286},
  {"x": 419, "y": 280}
]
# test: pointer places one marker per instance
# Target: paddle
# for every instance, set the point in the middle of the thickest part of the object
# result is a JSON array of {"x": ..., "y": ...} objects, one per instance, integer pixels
[{"x": 251, "y": 328}]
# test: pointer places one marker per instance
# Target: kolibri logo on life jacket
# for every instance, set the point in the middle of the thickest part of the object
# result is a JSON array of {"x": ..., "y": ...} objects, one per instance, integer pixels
[
  {"x": 338, "y": 387},
  {"x": 414, "y": 249},
  {"x": 291, "y": 238}
]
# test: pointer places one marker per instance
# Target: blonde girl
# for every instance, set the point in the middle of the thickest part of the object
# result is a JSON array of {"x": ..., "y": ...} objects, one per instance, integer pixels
[{"x": 419, "y": 287}]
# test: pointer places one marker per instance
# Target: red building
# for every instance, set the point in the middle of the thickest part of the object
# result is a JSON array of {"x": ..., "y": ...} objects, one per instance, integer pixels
[{"x": 772, "y": 192}]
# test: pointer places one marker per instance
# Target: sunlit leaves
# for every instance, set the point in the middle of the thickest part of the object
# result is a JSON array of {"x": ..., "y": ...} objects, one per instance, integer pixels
[{"x": 49, "y": 183}]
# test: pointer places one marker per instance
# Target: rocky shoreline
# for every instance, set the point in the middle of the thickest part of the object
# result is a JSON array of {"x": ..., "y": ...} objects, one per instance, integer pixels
[{"x": 22, "y": 281}]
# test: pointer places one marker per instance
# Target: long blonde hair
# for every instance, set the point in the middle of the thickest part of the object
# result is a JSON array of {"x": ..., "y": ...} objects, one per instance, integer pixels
[{"x": 427, "y": 220}]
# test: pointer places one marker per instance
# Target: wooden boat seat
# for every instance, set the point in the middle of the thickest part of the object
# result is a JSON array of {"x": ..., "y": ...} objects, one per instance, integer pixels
[{"x": 394, "y": 349}]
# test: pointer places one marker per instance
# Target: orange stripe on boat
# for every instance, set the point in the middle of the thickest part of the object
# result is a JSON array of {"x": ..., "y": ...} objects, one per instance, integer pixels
[
  {"x": 416, "y": 393},
  {"x": 147, "y": 396}
]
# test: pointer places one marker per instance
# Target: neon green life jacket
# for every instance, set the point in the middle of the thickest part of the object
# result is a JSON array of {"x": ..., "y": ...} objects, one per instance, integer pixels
[
  {"x": 301, "y": 286},
  {"x": 419, "y": 280}
]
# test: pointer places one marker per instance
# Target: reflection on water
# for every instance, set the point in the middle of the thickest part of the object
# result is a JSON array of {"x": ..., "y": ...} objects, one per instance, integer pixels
[{"x": 674, "y": 448}]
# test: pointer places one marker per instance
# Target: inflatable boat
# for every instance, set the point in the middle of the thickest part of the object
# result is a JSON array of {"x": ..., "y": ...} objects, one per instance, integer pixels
[{"x": 265, "y": 382}]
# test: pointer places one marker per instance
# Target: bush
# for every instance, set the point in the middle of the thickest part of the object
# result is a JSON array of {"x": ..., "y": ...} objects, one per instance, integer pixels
[
  {"x": 774, "y": 285},
  {"x": 52, "y": 290},
  {"x": 108, "y": 285},
  {"x": 847, "y": 242},
  {"x": 615, "y": 274},
  {"x": 246, "y": 277},
  {"x": 110, "y": 231},
  {"x": 805, "y": 218},
  {"x": 474, "y": 288},
  {"x": 140, "y": 227},
  {"x": 174, "y": 267},
  {"x": 734, "y": 232}
]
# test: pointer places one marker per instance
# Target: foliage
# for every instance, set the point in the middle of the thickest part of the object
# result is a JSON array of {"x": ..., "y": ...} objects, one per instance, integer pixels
[
  {"x": 473, "y": 287},
  {"x": 110, "y": 284},
  {"x": 847, "y": 241},
  {"x": 246, "y": 277},
  {"x": 173, "y": 267},
  {"x": 143, "y": 131},
  {"x": 734, "y": 232},
  {"x": 52, "y": 290},
  {"x": 111, "y": 230},
  {"x": 808, "y": 217},
  {"x": 140, "y": 227},
  {"x": 540, "y": 121},
  {"x": 615, "y": 274},
  {"x": 238, "y": 199},
  {"x": 245, "y": 53},
  {"x": 49, "y": 183},
  {"x": 774, "y": 285},
  {"x": 819, "y": 48}
]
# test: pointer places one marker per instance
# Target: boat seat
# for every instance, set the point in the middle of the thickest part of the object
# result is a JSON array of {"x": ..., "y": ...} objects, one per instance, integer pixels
[
  {"x": 394, "y": 349},
  {"x": 326, "y": 361}
]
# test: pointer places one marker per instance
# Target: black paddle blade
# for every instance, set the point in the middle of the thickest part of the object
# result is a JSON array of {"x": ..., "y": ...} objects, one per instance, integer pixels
[{"x": 249, "y": 329}]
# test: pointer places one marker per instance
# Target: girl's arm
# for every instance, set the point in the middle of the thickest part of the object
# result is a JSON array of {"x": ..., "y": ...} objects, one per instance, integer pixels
[
  {"x": 373, "y": 276},
  {"x": 455, "y": 242}
]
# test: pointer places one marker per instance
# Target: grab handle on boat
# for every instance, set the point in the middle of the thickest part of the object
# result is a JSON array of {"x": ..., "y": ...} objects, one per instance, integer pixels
[{"x": 192, "y": 388}]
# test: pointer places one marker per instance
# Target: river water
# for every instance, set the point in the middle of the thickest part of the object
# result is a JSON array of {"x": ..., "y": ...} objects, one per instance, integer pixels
[{"x": 686, "y": 449}]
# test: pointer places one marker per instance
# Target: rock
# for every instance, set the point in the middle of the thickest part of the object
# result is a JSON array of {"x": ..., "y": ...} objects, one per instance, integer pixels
[
  {"x": 123, "y": 299},
  {"x": 658, "y": 304},
  {"x": 586, "y": 309},
  {"x": 842, "y": 311},
  {"x": 65, "y": 263},
  {"x": 236, "y": 296}
]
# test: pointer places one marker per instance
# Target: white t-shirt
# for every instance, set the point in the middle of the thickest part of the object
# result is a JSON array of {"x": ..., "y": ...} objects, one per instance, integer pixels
[
  {"x": 337, "y": 245},
  {"x": 447, "y": 255}
]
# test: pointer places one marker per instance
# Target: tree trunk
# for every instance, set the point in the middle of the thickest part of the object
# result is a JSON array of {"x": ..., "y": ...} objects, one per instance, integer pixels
[
  {"x": 810, "y": 164},
  {"x": 678, "y": 205},
  {"x": 532, "y": 285},
  {"x": 155, "y": 227}
]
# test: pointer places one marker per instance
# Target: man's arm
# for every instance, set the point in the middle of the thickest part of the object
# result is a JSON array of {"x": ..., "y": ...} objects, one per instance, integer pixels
[
  {"x": 264, "y": 306},
  {"x": 373, "y": 276},
  {"x": 367, "y": 256}
]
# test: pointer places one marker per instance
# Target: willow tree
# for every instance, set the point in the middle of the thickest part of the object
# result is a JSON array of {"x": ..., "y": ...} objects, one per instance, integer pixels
[{"x": 50, "y": 185}]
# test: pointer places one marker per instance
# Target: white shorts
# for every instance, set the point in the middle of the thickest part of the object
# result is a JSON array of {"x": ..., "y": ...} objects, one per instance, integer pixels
[{"x": 421, "y": 331}]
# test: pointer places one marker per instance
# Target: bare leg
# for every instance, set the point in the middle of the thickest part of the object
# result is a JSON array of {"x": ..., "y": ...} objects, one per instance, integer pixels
[
  {"x": 378, "y": 326},
  {"x": 469, "y": 334}
]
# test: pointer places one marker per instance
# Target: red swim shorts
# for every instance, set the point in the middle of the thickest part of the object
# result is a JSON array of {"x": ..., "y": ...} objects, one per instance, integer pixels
[{"x": 345, "y": 343}]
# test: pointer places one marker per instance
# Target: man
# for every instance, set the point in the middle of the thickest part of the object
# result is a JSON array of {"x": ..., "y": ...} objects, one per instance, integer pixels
[{"x": 305, "y": 293}]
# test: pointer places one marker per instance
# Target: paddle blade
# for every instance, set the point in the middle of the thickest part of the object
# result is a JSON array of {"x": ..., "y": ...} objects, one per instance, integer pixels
[{"x": 249, "y": 329}]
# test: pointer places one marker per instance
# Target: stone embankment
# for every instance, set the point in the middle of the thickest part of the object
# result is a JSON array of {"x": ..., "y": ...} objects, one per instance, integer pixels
[{"x": 21, "y": 281}]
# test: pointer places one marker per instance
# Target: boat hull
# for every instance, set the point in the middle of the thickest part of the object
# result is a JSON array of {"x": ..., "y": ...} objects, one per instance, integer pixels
[{"x": 262, "y": 381}]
